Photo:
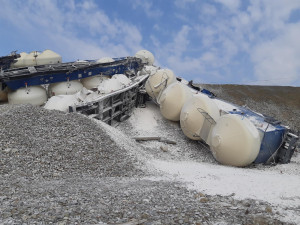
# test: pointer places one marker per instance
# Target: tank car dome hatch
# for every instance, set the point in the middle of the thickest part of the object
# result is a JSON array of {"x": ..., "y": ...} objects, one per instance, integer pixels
[
  {"x": 64, "y": 88},
  {"x": 48, "y": 57},
  {"x": 94, "y": 81},
  {"x": 172, "y": 99},
  {"x": 31, "y": 59},
  {"x": 3, "y": 93},
  {"x": 234, "y": 140},
  {"x": 146, "y": 57},
  {"x": 159, "y": 81},
  {"x": 19, "y": 61},
  {"x": 197, "y": 116},
  {"x": 34, "y": 95},
  {"x": 105, "y": 60}
]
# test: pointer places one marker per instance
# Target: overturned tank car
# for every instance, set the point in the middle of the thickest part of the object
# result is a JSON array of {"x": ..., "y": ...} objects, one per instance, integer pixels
[{"x": 109, "y": 89}]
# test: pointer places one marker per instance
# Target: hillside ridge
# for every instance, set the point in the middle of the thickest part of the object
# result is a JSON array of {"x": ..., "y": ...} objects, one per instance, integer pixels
[{"x": 280, "y": 102}]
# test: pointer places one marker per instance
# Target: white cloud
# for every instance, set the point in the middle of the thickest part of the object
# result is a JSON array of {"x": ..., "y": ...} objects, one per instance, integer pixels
[
  {"x": 148, "y": 8},
  {"x": 221, "y": 39},
  {"x": 185, "y": 66},
  {"x": 174, "y": 55},
  {"x": 87, "y": 5},
  {"x": 255, "y": 42},
  {"x": 183, "y": 17},
  {"x": 75, "y": 30},
  {"x": 208, "y": 9},
  {"x": 278, "y": 61},
  {"x": 230, "y": 4},
  {"x": 209, "y": 57},
  {"x": 133, "y": 37},
  {"x": 262, "y": 33},
  {"x": 275, "y": 52},
  {"x": 183, "y": 3},
  {"x": 180, "y": 41}
]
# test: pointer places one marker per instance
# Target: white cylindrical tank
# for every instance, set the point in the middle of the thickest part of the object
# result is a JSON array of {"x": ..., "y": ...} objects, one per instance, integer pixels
[
  {"x": 20, "y": 61},
  {"x": 48, "y": 57},
  {"x": 31, "y": 59},
  {"x": 64, "y": 88},
  {"x": 172, "y": 99},
  {"x": 3, "y": 93},
  {"x": 159, "y": 81},
  {"x": 94, "y": 81},
  {"x": 196, "y": 117},
  {"x": 146, "y": 57},
  {"x": 105, "y": 60},
  {"x": 35, "y": 95},
  {"x": 234, "y": 140}
]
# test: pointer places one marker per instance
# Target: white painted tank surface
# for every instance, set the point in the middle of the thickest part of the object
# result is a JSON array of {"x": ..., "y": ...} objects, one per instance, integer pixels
[
  {"x": 31, "y": 59},
  {"x": 172, "y": 100},
  {"x": 64, "y": 88},
  {"x": 94, "y": 81},
  {"x": 34, "y": 95},
  {"x": 159, "y": 81},
  {"x": 48, "y": 57},
  {"x": 197, "y": 116},
  {"x": 234, "y": 140},
  {"x": 105, "y": 60},
  {"x": 36, "y": 58},
  {"x": 146, "y": 57},
  {"x": 3, "y": 93},
  {"x": 20, "y": 61}
]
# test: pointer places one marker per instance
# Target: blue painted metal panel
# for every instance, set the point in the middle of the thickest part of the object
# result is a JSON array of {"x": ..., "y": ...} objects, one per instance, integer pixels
[
  {"x": 60, "y": 77},
  {"x": 272, "y": 140},
  {"x": 208, "y": 93},
  {"x": 38, "y": 78}
]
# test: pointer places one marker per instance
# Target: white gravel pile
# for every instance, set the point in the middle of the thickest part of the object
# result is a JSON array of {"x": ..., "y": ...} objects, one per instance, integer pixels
[
  {"x": 61, "y": 168},
  {"x": 39, "y": 143},
  {"x": 149, "y": 122},
  {"x": 191, "y": 163}
]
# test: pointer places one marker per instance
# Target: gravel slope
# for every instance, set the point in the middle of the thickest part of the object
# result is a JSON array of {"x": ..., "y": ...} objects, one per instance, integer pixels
[
  {"x": 58, "y": 168},
  {"x": 39, "y": 143},
  {"x": 280, "y": 102}
]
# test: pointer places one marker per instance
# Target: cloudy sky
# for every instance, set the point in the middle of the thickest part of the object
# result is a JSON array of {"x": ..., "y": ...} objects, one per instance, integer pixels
[{"x": 209, "y": 41}]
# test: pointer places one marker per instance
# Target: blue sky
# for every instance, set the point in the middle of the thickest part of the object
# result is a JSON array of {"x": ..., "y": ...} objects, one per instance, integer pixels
[{"x": 216, "y": 41}]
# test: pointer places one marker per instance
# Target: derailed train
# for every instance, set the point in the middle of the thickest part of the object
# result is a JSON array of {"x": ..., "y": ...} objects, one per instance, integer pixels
[{"x": 236, "y": 135}]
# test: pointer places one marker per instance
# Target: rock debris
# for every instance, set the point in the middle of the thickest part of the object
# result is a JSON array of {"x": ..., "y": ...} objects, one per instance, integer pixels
[{"x": 60, "y": 168}]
